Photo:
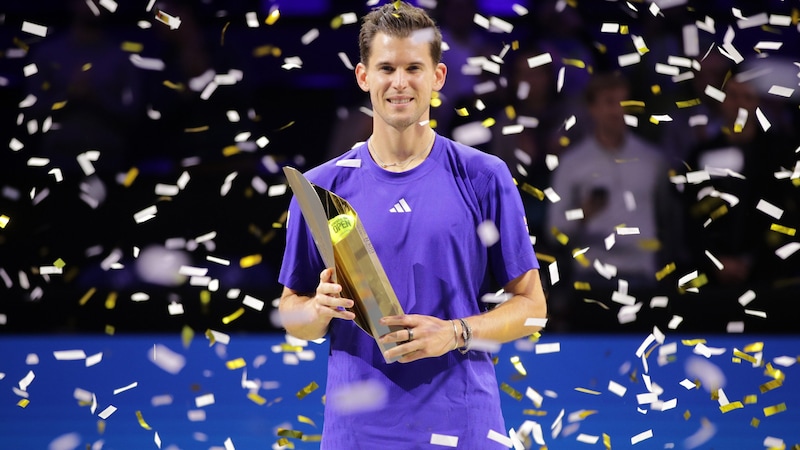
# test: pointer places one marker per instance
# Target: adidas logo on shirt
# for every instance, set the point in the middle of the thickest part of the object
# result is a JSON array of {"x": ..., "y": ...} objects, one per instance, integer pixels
[{"x": 401, "y": 207}]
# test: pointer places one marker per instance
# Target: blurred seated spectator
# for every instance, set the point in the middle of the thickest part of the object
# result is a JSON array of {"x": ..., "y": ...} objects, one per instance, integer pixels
[{"x": 610, "y": 180}]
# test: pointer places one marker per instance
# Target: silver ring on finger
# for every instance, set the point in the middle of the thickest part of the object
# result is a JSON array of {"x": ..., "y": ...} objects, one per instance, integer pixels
[{"x": 410, "y": 334}]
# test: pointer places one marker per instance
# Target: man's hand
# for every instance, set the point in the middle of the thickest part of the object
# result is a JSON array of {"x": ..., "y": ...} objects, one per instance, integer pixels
[
  {"x": 421, "y": 337},
  {"x": 327, "y": 302}
]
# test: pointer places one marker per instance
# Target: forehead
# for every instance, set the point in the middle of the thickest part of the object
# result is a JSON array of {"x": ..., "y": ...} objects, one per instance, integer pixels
[{"x": 415, "y": 48}]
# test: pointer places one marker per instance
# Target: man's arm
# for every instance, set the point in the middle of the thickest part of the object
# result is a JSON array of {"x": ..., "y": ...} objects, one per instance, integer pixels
[
  {"x": 434, "y": 337},
  {"x": 506, "y": 322},
  {"x": 307, "y": 316}
]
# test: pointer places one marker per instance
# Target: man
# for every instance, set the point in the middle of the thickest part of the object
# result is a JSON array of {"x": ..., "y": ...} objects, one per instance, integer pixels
[
  {"x": 612, "y": 179},
  {"x": 431, "y": 252}
]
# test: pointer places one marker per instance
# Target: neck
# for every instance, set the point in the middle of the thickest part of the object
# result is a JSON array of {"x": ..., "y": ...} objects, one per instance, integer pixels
[{"x": 399, "y": 151}]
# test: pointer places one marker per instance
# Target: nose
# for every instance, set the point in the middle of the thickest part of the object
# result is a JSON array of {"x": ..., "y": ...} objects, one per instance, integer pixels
[{"x": 399, "y": 79}]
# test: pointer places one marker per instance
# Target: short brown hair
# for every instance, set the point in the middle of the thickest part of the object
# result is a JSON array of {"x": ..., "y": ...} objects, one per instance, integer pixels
[
  {"x": 604, "y": 81},
  {"x": 398, "y": 19}
]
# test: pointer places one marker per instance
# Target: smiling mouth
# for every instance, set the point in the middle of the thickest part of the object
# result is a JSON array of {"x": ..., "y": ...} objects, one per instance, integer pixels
[{"x": 399, "y": 101}]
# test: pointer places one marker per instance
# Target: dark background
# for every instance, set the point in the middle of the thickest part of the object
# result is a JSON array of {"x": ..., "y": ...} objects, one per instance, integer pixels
[{"x": 297, "y": 110}]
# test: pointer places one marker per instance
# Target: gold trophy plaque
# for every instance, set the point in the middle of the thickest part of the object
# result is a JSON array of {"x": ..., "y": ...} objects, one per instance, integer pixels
[{"x": 344, "y": 245}]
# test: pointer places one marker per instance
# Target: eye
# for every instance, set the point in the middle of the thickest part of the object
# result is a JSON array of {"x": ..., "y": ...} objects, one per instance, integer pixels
[{"x": 387, "y": 69}]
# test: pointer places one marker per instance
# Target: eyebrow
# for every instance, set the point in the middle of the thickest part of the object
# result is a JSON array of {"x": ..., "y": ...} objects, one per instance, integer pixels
[{"x": 412, "y": 63}]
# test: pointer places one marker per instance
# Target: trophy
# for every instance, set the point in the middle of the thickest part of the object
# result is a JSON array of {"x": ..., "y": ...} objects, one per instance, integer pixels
[{"x": 344, "y": 245}]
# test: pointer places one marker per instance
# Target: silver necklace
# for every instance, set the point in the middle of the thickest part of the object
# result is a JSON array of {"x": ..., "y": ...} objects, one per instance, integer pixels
[{"x": 402, "y": 164}]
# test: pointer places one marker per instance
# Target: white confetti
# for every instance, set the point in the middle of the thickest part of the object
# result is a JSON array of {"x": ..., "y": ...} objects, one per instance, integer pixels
[
  {"x": 617, "y": 388},
  {"x": 166, "y": 359},
  {"x": 488, "y": 233},
  {"x": 125, "y": 388},
  {"x": 106, "y": 413},
  {"x": 769, "y": 209},
  {"x": 540, "y": 60},
  {"x": 69, "y": 355},
  {"x": 541, "y": 349},
  {"x": 35, "y": 29},
  {"x": 204, "y": 400},
  {"x": 444, "y": 440},
  {"x": 641, "y": 437},
  {"x": 787, "y": 250}
]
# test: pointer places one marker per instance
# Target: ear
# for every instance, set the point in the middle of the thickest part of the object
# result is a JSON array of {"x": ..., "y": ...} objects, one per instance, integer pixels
[
  {"x": 439, "y": 75},
  {"x": 361, "y": 77}
]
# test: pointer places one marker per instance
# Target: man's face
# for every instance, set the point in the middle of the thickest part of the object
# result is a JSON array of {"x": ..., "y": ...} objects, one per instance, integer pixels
[
  {"x": 400, "y": 77},
  {"x": 607, "y": 112}
]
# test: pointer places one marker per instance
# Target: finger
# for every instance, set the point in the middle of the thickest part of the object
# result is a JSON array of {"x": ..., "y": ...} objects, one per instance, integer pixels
[{"x": 402, "y": 320}]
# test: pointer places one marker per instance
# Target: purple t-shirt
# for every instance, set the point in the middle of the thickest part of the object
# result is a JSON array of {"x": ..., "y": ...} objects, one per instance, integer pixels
[{"x": 423, "y": 224}]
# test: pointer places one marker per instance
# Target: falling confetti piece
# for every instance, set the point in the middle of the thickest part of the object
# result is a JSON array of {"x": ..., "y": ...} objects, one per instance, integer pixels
[{"x": 311, "y": 387}]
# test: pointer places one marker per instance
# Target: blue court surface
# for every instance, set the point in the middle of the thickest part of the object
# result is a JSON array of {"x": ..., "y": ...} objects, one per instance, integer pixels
[{"x": 258, "y": 391}]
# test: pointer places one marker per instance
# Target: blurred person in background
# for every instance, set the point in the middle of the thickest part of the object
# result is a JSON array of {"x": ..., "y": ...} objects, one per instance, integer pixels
[{"x": 610, "y": 179}]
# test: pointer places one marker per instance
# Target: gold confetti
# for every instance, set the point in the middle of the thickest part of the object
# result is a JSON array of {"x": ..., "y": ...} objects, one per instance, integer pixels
[
  {"x": 233, "y": 316},
  {"x": 582, "y": 286},
  {"x": 101, "y": 426},
  {"x": 533, "y": 412},
  {"x": 257, "y": 399},
  {"x": 110, "y": 330},
  {"x": 306, "y": 420},
  {"x": 631, "y": 103},
  {"x": 130, "y": 177},
  {"x": 142, "y": 423},
  {"x": 174, "y": 86},
  {"x": 211, "y": 338},
  {"x": 488, "y": 123},
  {"x": 187, "y": 334},
  {"x": 574, "y": 62},
  {"x": 196, "y": 129},
  {"x": 782, "y": 229},
  {"x": 285, "y": 443},
  {"x": 265, "y": 50},
  {"x": 250, "y": 261},
  {"x": 60, "y": 263},
  {"x": 4, "y": 219},
  {"x": 607, "y": 441},
  {"x": 623, "y": 29},
  {"x": 750, "y": 399},
  {"x": 518, "y": 365},
  {"x": 527, "y": 188},
  {"x": 545, "y": 258},
  {"x": 692, "y": 342},
  {"x": 237, "y": 363},
  {"x": 289, "y": 348},
  {"x": 755, "y": 422},
  {"x": 587, "y": 391},
  {"x": 294, "y": 434},
  {"x": 436, "y": 102},
  {"x": 687, "y": 414},
  {"x": 515, "y": 394},
  {"x": 286, "y": 126},
  {"x": 462, "y": 112},
  {"x": 731, "y": 406},
  {"x": 668, "y": 269},
  {"x": 563, "y": 141},
  {"x": 312, "y": 438},
  {"x": 111, "y": 300},
  {"x": 560, "y": 237},
  {"x": 754, "y": 347},
  {"x": 771, "y": 371},
  {"x": 230, "y": 150},
  {"x": 337, "y": 22},
  {"x": 745, "y": 356},
  {"x": 775, "y": 409},
  {"x": 273, "y": 17},
  {"x": 132, "y": 47},
  {"x": 87, "y": 296},
  {"x": 23, "y": 403},
  {"x": 688, "y": 103},
  {"x": 770, "y": 385},
  {"x": 719, "y": 212},
  {"x": 59, "y": 105},
  {"x": 511, "y": 113},
  {"x": 311, "y": 387}
]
